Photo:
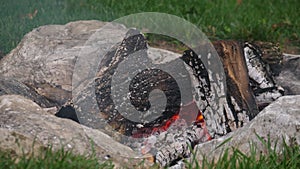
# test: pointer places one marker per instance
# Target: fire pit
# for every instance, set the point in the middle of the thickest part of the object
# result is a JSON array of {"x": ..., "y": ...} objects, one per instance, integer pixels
[{"x": 208, "y": 105}]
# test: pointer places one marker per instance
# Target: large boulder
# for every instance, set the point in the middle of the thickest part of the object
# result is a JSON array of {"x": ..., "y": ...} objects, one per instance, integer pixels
[
  {"x": 23, "y": 122},
  {"x": 46, "y": 56},
  {"x": 280, "y": 120}
]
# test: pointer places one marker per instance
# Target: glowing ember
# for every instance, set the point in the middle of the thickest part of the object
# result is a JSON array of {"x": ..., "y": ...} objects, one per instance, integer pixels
[{"x": 187, "y": 113}]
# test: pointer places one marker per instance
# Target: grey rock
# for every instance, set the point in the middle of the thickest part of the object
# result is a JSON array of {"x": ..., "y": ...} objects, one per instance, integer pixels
[
  {"x": 289, "y": 77},
  {"x": 22, "y": 118},
  {"x": 280, "y": 120},
  {"x": 45, "y": 58},
  {"x": 9, "y": 86},
  {"x": 18, "y": 144}
]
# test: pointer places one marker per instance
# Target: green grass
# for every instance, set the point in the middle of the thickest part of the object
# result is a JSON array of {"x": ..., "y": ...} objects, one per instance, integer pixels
[
  {"x": 289, "y": 158},
  {"x": 268, "y": 158},
  {"x": 274, "y": 20},
  {"x": 52, "y": 160}
]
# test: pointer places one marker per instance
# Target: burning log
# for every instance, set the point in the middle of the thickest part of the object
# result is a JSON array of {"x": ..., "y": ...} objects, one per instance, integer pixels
[{"x": 249, "y": 83}]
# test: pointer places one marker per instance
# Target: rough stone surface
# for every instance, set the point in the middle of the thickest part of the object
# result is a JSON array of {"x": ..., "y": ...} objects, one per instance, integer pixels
[
  {"x": 289, "y": 77},
  {"x": 280, "y": 119},
  {"x": 18, "y": 144},
  {"x": 45, "y": 57},
  {"x": 22, "y": 120},
  {"x": 10, "y": 86}
]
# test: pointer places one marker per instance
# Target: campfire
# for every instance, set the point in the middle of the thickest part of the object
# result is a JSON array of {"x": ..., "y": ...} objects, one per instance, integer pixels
[{"x": 181, "y": 125}]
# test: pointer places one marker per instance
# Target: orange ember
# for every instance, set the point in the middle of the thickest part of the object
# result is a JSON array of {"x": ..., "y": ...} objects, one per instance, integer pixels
[
  {"x": 187, "y": 112},
  {"x": 200, "y": 118}
]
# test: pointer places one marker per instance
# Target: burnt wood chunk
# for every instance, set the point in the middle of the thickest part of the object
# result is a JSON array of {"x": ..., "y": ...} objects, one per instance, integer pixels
[
  {"x": 261, "y": 75},
  {"x": 238, "y": 85},
  {"x": 133, "y": 42}
]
